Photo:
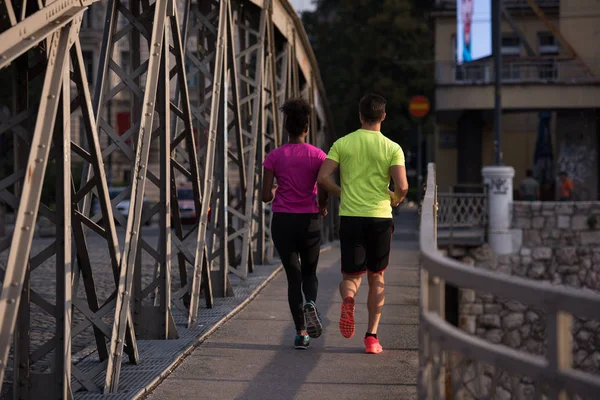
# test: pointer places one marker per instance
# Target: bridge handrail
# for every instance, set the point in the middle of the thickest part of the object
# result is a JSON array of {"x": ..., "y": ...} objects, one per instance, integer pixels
[
  {"x": 463, "y": 210},
  {"x": 558, "y": 302}
]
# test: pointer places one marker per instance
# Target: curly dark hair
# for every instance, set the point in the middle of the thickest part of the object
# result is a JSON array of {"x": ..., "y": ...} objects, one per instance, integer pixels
[{"x": 297, "y": 116}]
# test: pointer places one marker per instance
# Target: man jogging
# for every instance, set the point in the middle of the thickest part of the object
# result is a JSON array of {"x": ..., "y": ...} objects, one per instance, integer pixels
[{"x": 366, "y": 160}]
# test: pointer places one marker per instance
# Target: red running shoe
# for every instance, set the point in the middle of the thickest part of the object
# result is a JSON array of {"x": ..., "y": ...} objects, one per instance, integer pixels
[
  {"x": 372, "y": 345},
  {"x": 347, "y": 318}
]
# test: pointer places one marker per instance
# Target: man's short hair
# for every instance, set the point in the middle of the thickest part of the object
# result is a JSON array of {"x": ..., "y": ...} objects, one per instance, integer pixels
[
  {"x": 529, "y": 173},
  {"x": 372, "y": 108}
]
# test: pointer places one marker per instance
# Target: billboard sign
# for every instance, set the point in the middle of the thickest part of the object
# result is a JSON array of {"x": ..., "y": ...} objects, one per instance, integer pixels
[{"x": 473, "y": 30}]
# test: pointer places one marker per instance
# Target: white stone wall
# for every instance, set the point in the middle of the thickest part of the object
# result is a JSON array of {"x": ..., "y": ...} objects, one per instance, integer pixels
[{"x": 560, "y": 247}]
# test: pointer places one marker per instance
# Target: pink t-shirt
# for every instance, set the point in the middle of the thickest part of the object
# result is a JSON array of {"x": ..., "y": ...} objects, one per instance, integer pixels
[{"x": 296, "y": 167}]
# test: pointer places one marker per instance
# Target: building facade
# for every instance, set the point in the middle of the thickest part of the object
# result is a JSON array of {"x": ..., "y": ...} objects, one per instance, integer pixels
[{"x": 550, "y": 96}]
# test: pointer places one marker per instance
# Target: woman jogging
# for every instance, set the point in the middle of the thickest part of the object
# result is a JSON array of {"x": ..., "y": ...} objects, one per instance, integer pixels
[{"x": 296, "y": 224}]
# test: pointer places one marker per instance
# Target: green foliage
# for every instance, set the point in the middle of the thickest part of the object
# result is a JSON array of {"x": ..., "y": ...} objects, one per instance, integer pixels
[{"x": 375, "y": 46}]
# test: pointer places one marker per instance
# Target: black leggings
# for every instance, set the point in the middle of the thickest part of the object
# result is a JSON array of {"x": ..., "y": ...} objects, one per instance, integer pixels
[{"x": 297, "y": 238}]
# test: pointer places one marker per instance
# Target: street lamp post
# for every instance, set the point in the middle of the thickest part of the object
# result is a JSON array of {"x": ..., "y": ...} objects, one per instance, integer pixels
[{"x": 497, "y": 54}]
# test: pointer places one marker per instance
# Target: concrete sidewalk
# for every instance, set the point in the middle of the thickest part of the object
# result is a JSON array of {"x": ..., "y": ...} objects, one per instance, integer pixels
[{"x": 252, "y": 355}]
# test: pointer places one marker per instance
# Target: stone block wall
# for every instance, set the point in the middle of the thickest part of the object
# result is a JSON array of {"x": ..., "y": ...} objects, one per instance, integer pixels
[{"x": 561, "y": 246}]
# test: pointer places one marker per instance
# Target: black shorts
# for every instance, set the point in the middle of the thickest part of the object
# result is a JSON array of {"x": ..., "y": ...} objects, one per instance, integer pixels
[{"x": 365, "y": 244}]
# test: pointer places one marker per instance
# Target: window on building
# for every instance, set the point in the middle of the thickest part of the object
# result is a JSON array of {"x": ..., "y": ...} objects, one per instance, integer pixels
[
  {"x": 191, "y": 78},
  {"x": 511, "y": 45},
  {"x": 126, "y": 61},
  {"x": 127, "y": 175},
  {"x": 88, "y": 60},
  {"x": 469, "y": 72},
  {"x": 123, "y": 124},
  {"x": 88, "y": 18},
  {"x": 548, "y": 44},
  {"x": 548, "y": 47}
]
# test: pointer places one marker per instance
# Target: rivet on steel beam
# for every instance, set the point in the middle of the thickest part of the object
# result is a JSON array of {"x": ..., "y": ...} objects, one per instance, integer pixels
[
  {"x": 25, "y": 228},
  {"x": 39, "y": 159},
  {"x": 155, "y": 54},
  {"x": 149, "y": 103},
  {"x": 14, "y": 284},
  {"x": 11, "y": 301},
  {"x": 119, "y": 341},
  {"x": 51, "y": 96},
  {"x": 28, "y": 212},
  {"x": 31, "y": 37}
]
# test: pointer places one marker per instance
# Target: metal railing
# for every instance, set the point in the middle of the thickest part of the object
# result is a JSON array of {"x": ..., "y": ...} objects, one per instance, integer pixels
[
  {"x": 454, "y": 364},
  {"x": 463, "y": 214},
  {"x": 527, "y": 71}
]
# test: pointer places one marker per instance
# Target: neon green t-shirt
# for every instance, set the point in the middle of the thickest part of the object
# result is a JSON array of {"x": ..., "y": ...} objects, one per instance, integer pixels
[{"x": 365, "y": 158}]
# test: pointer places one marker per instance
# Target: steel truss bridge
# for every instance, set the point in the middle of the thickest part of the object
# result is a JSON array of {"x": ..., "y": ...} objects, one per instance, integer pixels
[{"x": 249, "y": 56}]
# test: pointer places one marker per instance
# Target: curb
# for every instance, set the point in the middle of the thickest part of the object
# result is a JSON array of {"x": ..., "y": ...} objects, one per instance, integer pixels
[{"x": 143, "y": 393}]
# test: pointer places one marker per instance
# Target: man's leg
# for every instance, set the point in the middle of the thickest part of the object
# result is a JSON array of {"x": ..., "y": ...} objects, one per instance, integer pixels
[
  {"x": 378, "y": 256},
  {"x": 348, "y": 290},
  {"x": 349, "y": 285},
  {"x": 375, "y": 301},
  {"x": 353, "y": 266}
]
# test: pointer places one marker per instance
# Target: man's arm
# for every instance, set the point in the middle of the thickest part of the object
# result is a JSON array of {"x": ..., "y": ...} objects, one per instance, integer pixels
[
  {"x": 325, "y": 178},
  {"x": 323, "y": 197},
  {"x": 323, "y": 200},
  {"x": 398, "y": 174},
  {"x": 268, "y": 191}
]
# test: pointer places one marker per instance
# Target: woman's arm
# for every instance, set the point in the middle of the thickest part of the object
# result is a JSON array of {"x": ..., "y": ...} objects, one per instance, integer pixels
[{"x": 268, "y": 190}]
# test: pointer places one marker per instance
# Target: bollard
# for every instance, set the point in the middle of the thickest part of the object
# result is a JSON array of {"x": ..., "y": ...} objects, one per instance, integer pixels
[{"x": 499, "y": 180}]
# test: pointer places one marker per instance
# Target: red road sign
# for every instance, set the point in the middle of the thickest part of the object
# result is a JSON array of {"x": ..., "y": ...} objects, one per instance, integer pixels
[{"x": 419, "y": 106}]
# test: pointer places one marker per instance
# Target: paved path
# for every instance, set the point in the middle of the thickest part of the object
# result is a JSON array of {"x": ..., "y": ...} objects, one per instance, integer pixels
[{"x": 251, "y": 356}]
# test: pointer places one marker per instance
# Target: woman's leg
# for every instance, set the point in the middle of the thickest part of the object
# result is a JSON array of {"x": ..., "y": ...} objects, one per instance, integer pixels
[
  {"x": 309, "y": 256},
  {"x": 285, "y": 244}
]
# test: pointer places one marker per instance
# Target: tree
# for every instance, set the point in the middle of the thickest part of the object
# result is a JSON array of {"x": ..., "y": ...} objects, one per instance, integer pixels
[{"x": 380, "y": 46}]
